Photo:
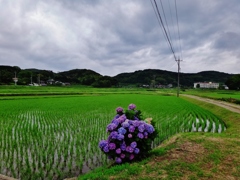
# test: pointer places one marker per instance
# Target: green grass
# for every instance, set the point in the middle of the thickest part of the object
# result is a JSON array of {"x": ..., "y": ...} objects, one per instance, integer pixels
[{"x": 215, "y": 94}]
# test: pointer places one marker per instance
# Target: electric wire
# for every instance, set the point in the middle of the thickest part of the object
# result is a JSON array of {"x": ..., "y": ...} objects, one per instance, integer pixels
[
  {"x": 166, "y": 23},
  {"x": 168, "y": 35},
  {"x": 158, "y": 19},
  {"x": 179, "y": 39},
  {"x": 174, "y": 27},
  {"x": 165, "y": 32}
]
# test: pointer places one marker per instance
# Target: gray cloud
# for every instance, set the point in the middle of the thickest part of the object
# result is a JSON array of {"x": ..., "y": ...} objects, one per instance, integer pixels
[
  {"x": 112, "y": 37},
  {"x": 229, "y": 41}
]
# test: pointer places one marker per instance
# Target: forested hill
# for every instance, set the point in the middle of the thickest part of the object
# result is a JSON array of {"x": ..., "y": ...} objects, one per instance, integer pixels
[
  {"x": 92, "y": 78},
  {"x": 166, "y": 77}
]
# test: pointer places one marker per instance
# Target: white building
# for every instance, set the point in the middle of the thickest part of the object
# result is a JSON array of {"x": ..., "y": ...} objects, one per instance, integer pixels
[{"x": 207, "y": 85}]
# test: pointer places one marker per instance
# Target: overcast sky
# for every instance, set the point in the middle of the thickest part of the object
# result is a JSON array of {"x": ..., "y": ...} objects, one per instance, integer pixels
[{"x": 116, "y": 36}]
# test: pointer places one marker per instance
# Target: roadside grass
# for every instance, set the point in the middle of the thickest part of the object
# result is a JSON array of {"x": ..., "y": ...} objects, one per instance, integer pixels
[
  {"x": 225, "y": 95},
  {"x": 191, "y": 156}
]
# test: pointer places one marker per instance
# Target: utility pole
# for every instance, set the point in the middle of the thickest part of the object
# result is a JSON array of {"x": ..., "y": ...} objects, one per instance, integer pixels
[
  {"x": 15, "y": 79},
  {"x": 178, "y": 62},
  {"x": 31, "y": 79},
  {"x": 39, "y": 81}
]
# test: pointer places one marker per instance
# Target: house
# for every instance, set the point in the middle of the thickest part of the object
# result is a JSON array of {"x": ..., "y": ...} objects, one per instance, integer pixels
[
  {"x": 50, "y": 81},
  {"x": 207, "y": 85}
]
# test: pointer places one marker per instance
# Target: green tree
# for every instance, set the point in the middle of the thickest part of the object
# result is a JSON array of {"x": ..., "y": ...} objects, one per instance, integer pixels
[
  {"x": 24, "y": 77},
  {"x": 234, "y": 82},
  {"x": 105, "y": 81}
]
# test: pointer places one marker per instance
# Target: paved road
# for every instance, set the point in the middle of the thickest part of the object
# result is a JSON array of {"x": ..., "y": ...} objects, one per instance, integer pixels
[{"x": 230, "y": 106}]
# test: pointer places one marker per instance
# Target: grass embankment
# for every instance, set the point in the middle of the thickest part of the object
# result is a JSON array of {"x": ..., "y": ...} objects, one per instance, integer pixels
[
  {"x": 187, "y": 155},
  {"x": 223, "y": 95}
]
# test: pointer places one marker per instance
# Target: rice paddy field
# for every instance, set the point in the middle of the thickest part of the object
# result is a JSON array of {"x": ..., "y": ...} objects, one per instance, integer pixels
[{"x": 54, "y": 137}]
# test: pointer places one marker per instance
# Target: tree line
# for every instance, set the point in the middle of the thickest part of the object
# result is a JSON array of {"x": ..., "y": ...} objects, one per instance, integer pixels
[{"x": 150, "y": 77}]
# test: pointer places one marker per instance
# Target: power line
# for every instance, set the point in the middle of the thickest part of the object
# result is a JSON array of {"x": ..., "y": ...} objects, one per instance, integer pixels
[
  {"x": 180, "y": 48},
  {"x": 158, "y": 19},
  {"x": 168, "y": 35},
  {"x": 178, "y": 62},
  {"x": 165, "y": 32},
  {"x": 174, "y": 30},
  {"x": 166, "y": 21},
  {"x": 179, "y": 39}
]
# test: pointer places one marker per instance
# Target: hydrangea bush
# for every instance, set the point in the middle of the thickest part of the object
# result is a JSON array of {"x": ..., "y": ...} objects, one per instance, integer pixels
[{"x": 130, "y": 137}]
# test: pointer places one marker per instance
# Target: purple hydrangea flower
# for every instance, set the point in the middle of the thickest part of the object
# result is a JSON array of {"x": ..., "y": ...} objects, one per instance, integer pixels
[
  {"x": 140, "y": 135},
  {"x": 129, "y": 149},
  {"x": 131, "y": 157},
  {"x": 145, "y": 133},
  {"x": 133, "y": 144},
  {"x": 131, "y": 128},
  {"x": 111, "y": 127},
  {"x": 122, "y": 156},
  {"x": 141, "y": 128},
  {"x": 120, "y": 137},
  {"x": 106, "y": 148},
  {"x": 149, "y": 128},
  {"x": 113, "y": 135},
  {"x": 118, "y": 160},
  {"x": 136, "y": 123},
  {"x": 131, "y": 106},
  {"x": 112, "y": 146},
  {"x": 125, "y": 124},
  {"x": 129, "y": 135},
  {"x": 130, "y": 122},
  {"x": 136, "y": 150},
  {"x": 117, "y": 116},
  {"x": 123, "y": 146},
  {"x": 135, "y": 118},
  {"x": 118, "y": 151},
  {"x": 122, "y": 130},
  {"x": 115, "y": 121},
  {"x": 122, "y": 118},
  {"x": 102, "y": 143},
  {"x": 119, "y": 109}
]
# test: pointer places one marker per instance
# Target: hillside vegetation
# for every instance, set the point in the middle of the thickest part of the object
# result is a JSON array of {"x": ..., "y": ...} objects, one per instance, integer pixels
[{"x": 150, "y": 77}]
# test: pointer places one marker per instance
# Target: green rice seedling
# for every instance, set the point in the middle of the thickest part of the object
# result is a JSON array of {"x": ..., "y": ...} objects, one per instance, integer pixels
[
  {"x": 204, "y": 124},
  {"x": 52, "y": 131},
  {"x": 210, "y": 127}
]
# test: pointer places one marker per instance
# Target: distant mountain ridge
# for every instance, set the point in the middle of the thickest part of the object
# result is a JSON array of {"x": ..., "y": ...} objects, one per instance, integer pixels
[
  {"x": 164, "y": 77},
  {"x": 92, "y": 78}
]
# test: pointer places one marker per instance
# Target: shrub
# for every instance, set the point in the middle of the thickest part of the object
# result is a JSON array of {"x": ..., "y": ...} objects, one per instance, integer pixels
[{"x": 130, "y": 138}]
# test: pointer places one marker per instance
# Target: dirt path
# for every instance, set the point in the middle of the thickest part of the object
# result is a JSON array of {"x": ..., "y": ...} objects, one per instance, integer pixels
[
  {"x": 2, "y": 177},
  {"x": 226, "y": 105}
]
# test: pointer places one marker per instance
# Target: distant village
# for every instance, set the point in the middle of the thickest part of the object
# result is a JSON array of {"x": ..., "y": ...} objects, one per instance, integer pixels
[
  {"x": 208, "y": 85},
  {"x": 50, "y": 82},
  {"x": 201, "y": 85}
]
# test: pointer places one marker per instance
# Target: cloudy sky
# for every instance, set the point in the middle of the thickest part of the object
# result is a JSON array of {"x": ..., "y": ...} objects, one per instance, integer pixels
[{"x": 116, "y": 36}]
